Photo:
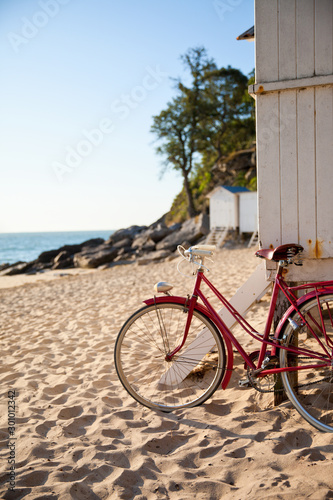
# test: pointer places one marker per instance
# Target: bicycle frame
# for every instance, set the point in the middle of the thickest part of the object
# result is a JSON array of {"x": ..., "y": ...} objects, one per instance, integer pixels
[{"x": 279, "y": 285}]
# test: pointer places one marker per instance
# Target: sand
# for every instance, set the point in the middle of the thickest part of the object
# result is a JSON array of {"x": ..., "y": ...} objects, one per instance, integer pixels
[{"x": 79, "y": 435}]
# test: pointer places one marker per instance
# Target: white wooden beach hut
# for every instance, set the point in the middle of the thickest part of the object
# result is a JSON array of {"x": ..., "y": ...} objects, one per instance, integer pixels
[
  {"x": 294, "y": 118},
  {"x": 248, "y": 213},
  {"x": 224, "y": 206},
  {"x": 231, "y": 207}
]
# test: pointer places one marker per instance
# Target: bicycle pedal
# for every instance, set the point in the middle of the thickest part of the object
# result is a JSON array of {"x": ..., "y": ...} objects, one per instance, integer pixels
[{"x": 244, "y": 383}]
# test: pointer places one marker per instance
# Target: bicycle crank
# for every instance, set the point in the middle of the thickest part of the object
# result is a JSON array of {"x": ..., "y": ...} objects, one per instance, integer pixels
[{"x": 267, "y": 383}]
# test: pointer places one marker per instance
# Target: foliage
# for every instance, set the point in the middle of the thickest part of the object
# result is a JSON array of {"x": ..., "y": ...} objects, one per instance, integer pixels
[
  {"x": 204, "y": 122},
  {"x": 179, "y": 125}
]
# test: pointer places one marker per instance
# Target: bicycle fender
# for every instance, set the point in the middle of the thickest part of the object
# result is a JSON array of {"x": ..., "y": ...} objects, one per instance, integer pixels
[
  {"x": 203, "y": 310},
  {"x": 290, "y": 310}
]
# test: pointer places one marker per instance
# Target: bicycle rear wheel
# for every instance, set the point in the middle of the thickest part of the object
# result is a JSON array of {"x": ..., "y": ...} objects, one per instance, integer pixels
[
  {"x": 192, "y": 375},
  {"x": 311, "y": 390}
]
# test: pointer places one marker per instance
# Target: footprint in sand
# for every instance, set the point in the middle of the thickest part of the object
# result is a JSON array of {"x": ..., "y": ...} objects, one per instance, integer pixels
[
  {"x": 313, "y": 455},
  {"x": 11, "y": 377},
  {"x": 41, "y": 450},
  {"x": 112, "y": 433},
  {"x": 166, "y": 444},
  {"x": 114, "y": 458},
  {"x": 210, "y": 451},
  {"x": 60, "y": 401},
  {"x": 113, "y": 402},
  {"x": 57, "y": 389},
  {"x": 101, "y": 384},
  {"x": 45, "y": 427},
  {"x": 74, "y": 380},
  {"x": 69, "y": 474},
  {"x": 160, "y": 424},
  {"x": 127, "y": 478},
  {"x": 105, "y": 369},
  {"x": 237, "y": 453},
  {"x": 81, "y": 490},
  {"x": 36, "y": 478},
  {"x": 124, "y": 415},
  {"x": 77, "y": 427},
  {"x": 70, "y": 412},
  {"x": 293, "y": 441}
]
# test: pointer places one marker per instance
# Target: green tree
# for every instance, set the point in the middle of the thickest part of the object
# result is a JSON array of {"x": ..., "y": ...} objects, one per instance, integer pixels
[
  {"x": 179, "y": 126},
  {"x": 229, "y": 118},
  {"x": 207, "y": 119}
]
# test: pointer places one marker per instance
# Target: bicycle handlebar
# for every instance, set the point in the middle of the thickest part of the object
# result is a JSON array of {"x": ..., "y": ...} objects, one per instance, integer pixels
[{"x": 200, "y": 250}]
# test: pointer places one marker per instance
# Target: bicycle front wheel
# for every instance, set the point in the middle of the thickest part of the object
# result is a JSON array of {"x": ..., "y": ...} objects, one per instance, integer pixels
[
  {"x": 310, "y": 390},
  {"x": 189, "y": 378}
]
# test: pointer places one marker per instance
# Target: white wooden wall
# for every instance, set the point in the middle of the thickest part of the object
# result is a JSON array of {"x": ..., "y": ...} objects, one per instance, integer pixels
[
  {"x": 223, "y": 208},
  {"x": 248, "y": 212},
  {"x": 294, "y": 107}
]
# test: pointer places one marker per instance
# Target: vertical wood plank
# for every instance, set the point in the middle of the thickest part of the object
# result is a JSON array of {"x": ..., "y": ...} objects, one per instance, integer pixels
[
  {"x": 324, "y": 37},
  {"x": 305, "y": 38},
  {"x": 324, "y": 156},
  {"x": 288, "y": 167},
  {"x": 266, "y": 22},
  {"x": 287, "y": 39},
  {"x": 269, "y": 212},
  {"x": 306, "y": 169}
]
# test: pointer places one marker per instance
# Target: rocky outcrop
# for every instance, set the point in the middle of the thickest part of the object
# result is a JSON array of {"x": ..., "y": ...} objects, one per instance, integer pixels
[
  {"x": 17, "y": 268},
  {"x": 190, "y": 232},
  {"x": 122, "y": 234},
  {"x": 95, "y": 257},
  {"x": 239, "y": 164},
  {"x": 140, "y": 244}
]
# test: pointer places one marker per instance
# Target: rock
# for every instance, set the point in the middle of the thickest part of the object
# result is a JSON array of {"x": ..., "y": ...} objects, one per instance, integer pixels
[
  {"x": 94, "y": 257},
  {"x": 143, "y": 242},
  {"x": 121, "y": 234},
  {"x": 4, "y": 266},
  {"x": 124, "y": 257},
  {"x": 139, "y": 240},
  {"x": 49, "y": 255},
  {"x": 64, "y": 264},
  {"x": 124, "y": 243},
  {"x": 149, "y": 246},
  {"x": 17, "y": 268},
  {"x": 191, "y": 230},
  {"x": 63, "y": 260},
  {"x": 175, "y": 227},
  {"x": 124, "y": 252},
  {"x": 153, "y": 257},
  {"x": 93, "y": 242},
  {"x": 64, "y": 255},
  {"x": 158, "y": 232}
]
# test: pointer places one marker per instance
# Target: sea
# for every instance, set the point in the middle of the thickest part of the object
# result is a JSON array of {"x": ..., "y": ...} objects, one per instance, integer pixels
[{"x": 25, "y": 247}]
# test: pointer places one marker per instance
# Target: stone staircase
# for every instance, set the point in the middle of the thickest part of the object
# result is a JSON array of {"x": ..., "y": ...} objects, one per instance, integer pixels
[
  {"x": 254, "y": 240},
  {"x": 217, "y": 236}
]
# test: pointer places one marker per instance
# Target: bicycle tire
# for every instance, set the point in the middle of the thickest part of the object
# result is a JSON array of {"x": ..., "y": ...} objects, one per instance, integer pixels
[
  {"x": 311, "y": 390},
  {"x": 140, "y": 357}
]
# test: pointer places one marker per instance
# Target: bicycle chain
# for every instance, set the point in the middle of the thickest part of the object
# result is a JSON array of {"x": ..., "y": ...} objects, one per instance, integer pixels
[{"x": 264, "y": 391}]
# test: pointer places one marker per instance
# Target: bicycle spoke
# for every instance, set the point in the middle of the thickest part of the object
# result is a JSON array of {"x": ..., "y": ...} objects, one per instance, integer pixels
[
  {"x": 310, "y": 389},
  {"x": 192, "y": 374}
]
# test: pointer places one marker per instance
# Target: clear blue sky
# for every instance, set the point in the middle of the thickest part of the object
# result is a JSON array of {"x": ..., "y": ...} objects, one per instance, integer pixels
[{"x": 80, "y": 82}]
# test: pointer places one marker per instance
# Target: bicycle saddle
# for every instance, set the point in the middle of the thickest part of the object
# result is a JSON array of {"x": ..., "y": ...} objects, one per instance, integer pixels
[{"x": 282, "y": 252}]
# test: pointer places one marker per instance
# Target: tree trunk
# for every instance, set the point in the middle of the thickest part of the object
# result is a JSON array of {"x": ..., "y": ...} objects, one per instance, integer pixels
[{"x": 190, "y": 203}]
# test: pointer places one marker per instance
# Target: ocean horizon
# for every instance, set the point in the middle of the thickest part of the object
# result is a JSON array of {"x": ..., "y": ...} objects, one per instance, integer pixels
[{"x": 25, "y": 247}]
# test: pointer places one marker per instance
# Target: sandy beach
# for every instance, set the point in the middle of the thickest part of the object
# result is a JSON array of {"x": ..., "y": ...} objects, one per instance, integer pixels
[{"x": 79, "y": 435}]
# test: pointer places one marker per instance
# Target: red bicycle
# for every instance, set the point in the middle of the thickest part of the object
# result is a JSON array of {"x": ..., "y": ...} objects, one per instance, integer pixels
[{"x": 176, "y": 351}]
